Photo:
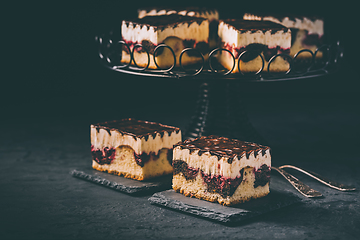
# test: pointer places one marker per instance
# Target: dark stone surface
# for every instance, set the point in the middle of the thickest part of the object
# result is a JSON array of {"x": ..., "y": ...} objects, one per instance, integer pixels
[
  {"x": 276, "y": 199},
  {"x": 122, "y": 184}
]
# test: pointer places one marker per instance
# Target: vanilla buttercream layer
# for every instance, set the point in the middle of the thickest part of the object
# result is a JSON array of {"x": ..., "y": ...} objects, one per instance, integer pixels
[
  {"x": 312, "y": 26},
  {"x": 239, "y": 39},
  {"x": 211, "y": 164},
  {"x": 101, "y": 138},
  {"x": 185, "y": 30}
]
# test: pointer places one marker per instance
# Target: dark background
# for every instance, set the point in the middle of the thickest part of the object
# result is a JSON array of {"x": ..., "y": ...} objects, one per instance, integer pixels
[
  {"x": 53, "y": 87},
  {"x": 51, "y": 65}
]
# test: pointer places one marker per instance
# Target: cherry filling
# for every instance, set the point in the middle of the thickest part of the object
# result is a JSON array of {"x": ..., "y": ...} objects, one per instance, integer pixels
[
  {"x": 254, "y": 50},
  {"x": 222, "y": 185},
  {"x": 143, "y": 158},
  {"x": 146, "y": 46},
  {"x": 182, "y": 167},
  {"x": 215, "y": 183},
  {"x": 202, "y": 47},
  {"x": 262, "y": 175},
  {"x": 103, "y": 156}
]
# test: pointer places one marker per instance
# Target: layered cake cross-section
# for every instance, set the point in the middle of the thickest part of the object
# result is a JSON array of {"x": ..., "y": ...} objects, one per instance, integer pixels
[
  {"x": 176, "y": 31},
  {"x": 133, "y": 148},
  {"x": 223, "y": 170},
  {"x": 257, "y": 38},
  {"x": 211, "y": 14},
  {"x": 307, "y": 31}
]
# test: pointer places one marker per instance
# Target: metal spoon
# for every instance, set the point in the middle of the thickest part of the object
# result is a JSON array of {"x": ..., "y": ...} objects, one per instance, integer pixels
[{"x": 327, "y": 182}]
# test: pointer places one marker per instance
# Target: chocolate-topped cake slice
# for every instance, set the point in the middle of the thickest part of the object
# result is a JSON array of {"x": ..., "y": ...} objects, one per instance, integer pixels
[
  {"x": 211, "y": 14},
  {"x": 257, "y": 38},
  {"x": 174, "y": 30},
  {"x": 307, "y": 31},
  {"x": 133, "y": 148},
  {"x": 220, "y": 169}
]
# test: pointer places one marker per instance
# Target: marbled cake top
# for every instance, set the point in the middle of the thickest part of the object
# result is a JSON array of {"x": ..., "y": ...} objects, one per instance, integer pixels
[
  {"x": 136, "y": 128},
  {"x": 253, "y": 25},
  {"x": 179, "y": 9},
  {"x": 165, "y": 20},
  {"x": 222, "y": 147},
  {"x": 281, "y": 16}
]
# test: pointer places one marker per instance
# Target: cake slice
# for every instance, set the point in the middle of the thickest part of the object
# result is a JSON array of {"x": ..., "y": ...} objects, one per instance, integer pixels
[
  {"x": 307, "y": 31},
  {"x": 258, "y": 38},
  {"x": 223, "y": 170},
  {"x": 211, "y": 14},
  {"x": 132, "y": 148},
  {"x": 176, "y": 31}
]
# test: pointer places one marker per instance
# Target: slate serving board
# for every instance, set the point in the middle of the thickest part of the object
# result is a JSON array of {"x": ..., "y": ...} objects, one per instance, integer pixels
[
  {"x": 118, "y": 183},
  {"x": 274, "y": 200}
]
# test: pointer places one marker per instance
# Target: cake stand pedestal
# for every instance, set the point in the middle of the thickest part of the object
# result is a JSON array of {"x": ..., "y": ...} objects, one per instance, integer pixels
[{"x": 220, "y": 111}]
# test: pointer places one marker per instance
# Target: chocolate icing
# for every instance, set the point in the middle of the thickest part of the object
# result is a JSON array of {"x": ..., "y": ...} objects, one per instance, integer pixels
[
  {"x": 136, "y": 128},
  {"x": 291, "y": 16},
  {"x": 223, "y": 147},
  {"x": 179, "y": 9},
  {"x": 163, "y": 21},
  {"x": 253, "y": 25}
]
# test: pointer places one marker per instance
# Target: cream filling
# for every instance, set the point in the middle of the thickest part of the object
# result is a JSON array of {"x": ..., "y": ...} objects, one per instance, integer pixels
[
  {"x": 115, "y": 139},
  {"x": 235, "y": 38},
  {"x": 210, "y": 164},
  {"x": 138, "y": 32}
]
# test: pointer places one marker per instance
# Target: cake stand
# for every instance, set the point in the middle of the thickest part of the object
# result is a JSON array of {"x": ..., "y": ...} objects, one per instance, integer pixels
[{"x": 219, "y": 109}]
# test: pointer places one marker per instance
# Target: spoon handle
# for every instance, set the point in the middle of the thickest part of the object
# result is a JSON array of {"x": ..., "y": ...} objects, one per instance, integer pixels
[{"x": 327, "y": 182}]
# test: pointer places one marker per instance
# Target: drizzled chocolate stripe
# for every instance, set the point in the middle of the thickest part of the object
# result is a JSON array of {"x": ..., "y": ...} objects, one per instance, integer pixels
[
  {"x": 223, "y": 147},
  {"x": 136, "y": 128},
  {"x": 180, "y": 9},
  {"x": 254, "y": 26},
  {"x": 292, "y": 17},
  {"x": 164, "y": 21}
]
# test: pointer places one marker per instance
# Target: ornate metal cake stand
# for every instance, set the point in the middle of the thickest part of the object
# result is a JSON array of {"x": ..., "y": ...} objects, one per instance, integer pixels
[{"x": 219, "y": 109}]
